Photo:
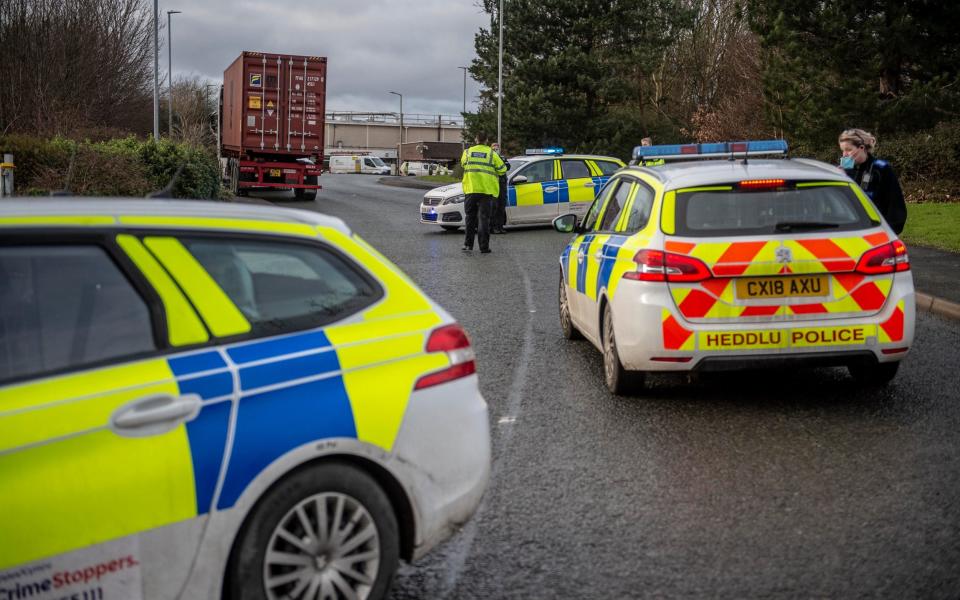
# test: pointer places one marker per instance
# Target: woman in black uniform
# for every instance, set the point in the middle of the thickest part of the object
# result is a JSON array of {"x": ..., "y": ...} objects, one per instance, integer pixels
[{"x": 875, "y": 176}]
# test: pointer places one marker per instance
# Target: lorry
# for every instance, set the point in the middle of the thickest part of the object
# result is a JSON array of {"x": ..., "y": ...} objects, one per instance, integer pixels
[
  {"x": 358, "y": 163},
  {"x": 272, "y": 109}
]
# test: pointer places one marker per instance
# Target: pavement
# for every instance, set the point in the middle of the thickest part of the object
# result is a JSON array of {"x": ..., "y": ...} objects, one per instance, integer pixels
[{"x": 936, "y": 277}]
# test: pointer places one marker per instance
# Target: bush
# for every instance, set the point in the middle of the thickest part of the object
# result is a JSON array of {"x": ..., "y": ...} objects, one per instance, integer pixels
[{"x": 119, "y": 167}]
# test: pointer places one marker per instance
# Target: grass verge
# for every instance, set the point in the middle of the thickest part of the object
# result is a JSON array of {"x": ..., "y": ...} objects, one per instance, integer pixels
[{"x": 933, "y": 225}]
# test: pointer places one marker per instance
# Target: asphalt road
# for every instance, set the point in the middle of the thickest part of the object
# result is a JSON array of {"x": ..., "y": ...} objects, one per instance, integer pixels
[{"x": 787, "y": 484}]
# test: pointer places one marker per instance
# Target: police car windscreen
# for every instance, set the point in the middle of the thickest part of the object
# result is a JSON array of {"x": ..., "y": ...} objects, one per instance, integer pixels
[{"x": 726, "y": 212}]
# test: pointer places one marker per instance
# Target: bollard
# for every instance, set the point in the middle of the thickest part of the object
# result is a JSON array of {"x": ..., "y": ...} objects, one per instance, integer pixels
[{"x": 6, "y": 176}]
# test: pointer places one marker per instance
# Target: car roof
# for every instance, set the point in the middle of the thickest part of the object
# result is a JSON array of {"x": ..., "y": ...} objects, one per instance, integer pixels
[
  {"x": 552, "y": 156},
  {"x": 115, "y": 207},
  {"x": 684, "y": 174}
]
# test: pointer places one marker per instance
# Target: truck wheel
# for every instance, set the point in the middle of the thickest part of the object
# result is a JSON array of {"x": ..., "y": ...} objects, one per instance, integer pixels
[
  {"x": 308, "y": 195},
  {"x": 325, "y": 531},
  {"x": 233, "y": 171}
]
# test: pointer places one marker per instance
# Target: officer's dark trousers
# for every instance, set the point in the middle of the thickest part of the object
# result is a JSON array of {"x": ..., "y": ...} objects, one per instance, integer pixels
[
  {"x": 478, "y": 207},
  {"x": 498, "y": 217}
]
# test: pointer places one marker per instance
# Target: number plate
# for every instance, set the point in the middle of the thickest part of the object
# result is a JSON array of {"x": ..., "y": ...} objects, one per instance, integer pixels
[
  {"x": 274, "y": 172},
  {"x": 754, "y": 288}
]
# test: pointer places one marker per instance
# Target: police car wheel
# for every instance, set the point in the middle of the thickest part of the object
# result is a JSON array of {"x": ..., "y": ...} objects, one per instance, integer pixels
[
  {"x": 569, "y": 330},
  {"x": 325, "y": 531},
  {"x": 620, "y": 381},
  {"x": 870, "y": 373}
]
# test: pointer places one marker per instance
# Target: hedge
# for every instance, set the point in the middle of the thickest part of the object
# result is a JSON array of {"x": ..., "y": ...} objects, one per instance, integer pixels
[{"x": 123, "y": 167}]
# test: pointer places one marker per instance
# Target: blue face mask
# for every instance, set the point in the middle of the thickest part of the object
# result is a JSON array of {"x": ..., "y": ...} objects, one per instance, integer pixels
[{"x": 846, "y": 162}]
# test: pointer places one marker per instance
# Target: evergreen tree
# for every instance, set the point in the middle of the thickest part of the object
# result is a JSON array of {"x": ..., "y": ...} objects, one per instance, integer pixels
[
  {"x": 576, "y": 74},
  {"x": 885, "y": 65}
]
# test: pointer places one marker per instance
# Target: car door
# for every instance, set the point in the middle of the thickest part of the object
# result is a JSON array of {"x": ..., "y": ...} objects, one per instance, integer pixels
[
  {"x": 533, "y": 193},
  {"x": 109, "y": 449},
  {"x": 578, "y": 187},
  {"x": 593, "y": 250}
]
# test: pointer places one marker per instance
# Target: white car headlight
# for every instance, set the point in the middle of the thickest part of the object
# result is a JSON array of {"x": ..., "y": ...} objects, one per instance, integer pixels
[{"x": 455, "y": 200}]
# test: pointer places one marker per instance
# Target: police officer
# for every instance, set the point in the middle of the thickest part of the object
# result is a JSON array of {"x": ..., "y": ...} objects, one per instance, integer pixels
[
  {"x": 498, "y": 217},
  {"x": 482, "y": 168},
  {"x": 874, "y": 175}
]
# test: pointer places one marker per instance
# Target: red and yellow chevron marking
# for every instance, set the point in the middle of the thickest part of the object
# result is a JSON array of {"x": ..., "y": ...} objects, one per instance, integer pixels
[
  {"x": 675, "y": 337},
  {"x": 850, "y": 293},
  {"x": 891, "y": 330}
]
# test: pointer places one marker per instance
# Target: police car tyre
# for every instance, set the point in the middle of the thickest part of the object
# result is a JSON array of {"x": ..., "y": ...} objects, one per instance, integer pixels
[
  {"x": 450, "y": 227},
  {"x": 324, "y": 531},
  {"x": 570, "y": 330},
  {"x": 619, "y": 380},
  {"x": 873, "y": 373}
]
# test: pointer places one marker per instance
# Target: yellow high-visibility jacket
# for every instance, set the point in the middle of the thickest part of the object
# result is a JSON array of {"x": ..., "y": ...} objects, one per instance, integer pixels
[{"x": 481, "y": 169}]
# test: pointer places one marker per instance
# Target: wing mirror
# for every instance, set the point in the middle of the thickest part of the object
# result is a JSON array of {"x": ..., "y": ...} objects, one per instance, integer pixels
[
  {"x": 566, "y": 223},
  {"x": 519, "y": 179}
]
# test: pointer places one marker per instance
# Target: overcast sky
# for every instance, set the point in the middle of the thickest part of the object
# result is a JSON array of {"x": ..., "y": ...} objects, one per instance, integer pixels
[{"x": 410, "y": 47}]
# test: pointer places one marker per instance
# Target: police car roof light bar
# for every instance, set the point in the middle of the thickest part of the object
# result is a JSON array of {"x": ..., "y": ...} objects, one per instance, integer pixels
[
  {"x": 711, "y": 150},
  {"x": 536, "y": 151}
]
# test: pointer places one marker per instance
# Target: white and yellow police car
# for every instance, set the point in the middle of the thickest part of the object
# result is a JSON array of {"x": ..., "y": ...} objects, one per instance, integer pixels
[
  {"x": 201, "y": 400},
  {"x": 541, "y": 185},
  {"x": 723, "y": 264}
]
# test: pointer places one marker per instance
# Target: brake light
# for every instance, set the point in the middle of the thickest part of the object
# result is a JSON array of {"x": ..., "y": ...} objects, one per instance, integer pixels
[
  {"x": 655, "y": 265},
  {"x": 452, "y": 340},
  {"x": 888, "y": 258},
  {"x": 762, "y": 184}
]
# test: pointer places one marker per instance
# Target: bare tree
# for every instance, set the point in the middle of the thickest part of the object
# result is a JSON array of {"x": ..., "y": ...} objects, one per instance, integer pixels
[
  {"x": 75, "y": 65},
  {"x": 194, "y": 112}
]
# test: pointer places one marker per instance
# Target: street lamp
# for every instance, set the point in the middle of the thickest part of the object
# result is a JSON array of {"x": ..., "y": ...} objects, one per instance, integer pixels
[
  {"x": 500, "y": 79},
  {"x": 156, "y": 74},
  {"x": 400, "y": 145},
  {"x": 464, "y": 89},
  {"x": 170, "y": 71}
]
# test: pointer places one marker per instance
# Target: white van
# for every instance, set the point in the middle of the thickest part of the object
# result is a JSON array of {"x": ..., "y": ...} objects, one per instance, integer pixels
[
  {"x": 358, "y": 163},
  {"x": 416, "y": 167}
]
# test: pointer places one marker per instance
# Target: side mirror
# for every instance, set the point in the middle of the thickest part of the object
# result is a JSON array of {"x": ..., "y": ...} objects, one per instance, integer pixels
[
  {"x": 566, "y": 223},
  {"x": 519, "y": 179}
]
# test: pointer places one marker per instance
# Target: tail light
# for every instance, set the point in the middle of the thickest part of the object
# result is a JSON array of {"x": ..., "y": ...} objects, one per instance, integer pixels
[
  {"x": 452, "y": 340},
  {"x": 654, "y": 265},
  {"x": 762, "y": 184},
  {"x": 888, "y": 258}
]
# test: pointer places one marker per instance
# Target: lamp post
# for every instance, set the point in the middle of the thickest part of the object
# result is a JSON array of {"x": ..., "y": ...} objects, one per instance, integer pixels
[
  {"x": 156, "y": 74},
  {"x": 464, "y": 89},
  {"x": 170, "y": 71},
  {"x": 400, "y": 145},
  {"x": 500, "y": 79}
]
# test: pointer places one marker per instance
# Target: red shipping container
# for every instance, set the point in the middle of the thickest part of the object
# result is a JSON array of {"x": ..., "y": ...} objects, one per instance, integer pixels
[{"x": 274, "y": 104}]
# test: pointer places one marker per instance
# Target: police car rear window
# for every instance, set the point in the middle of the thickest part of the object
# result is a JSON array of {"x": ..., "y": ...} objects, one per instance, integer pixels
[{"x": 717, "y": 213}]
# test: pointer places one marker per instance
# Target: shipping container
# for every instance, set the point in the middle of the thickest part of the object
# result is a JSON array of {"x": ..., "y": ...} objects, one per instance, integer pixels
[{"x": 272, "y": 121}]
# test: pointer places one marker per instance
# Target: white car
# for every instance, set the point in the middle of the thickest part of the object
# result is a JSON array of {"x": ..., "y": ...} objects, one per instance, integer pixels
[
  {"x": 211, "y": 400},
  {"x": 539, "y": 188},
  {"x": 726, "y": 264}
]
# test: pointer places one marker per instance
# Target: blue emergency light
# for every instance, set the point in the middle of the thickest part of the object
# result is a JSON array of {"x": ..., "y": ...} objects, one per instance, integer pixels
[
  {"x": 533, "y": 151},
  {"x": 712, "y": 150}
]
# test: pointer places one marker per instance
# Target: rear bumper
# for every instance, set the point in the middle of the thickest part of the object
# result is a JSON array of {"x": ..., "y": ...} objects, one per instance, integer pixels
[
  {"x": 442, "y": 458},
  {"x": 651, "y": 335}
]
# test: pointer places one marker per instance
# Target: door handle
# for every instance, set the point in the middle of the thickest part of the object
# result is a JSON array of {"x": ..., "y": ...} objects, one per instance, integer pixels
[
  {"x": 155, "y": 414},
  {"x": 551, "y": 189},
  {"x": 598, "y": 256},
  {"x": 590, "y": 184}
]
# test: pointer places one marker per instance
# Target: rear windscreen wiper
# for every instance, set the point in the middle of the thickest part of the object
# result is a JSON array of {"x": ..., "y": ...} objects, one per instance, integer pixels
[{"x": 793, "y": 225}]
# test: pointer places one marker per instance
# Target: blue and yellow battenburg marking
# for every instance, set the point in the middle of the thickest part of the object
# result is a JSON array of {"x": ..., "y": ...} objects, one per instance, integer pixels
[{"x": 554, "y": 192}]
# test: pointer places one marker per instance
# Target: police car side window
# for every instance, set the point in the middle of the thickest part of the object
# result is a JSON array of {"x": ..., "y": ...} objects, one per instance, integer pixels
[
  {"x": 63, "y": 307},
  {"x": 591, "y": 219},
  {"x": 640, "y": 209},
  {"x": 607, "y": 167},
  {"x": 282, "y": 286},
  {"x": 538, "y": 171},
  {"x": 574, "y": 169},
  {"x": 614, "y": 208}
]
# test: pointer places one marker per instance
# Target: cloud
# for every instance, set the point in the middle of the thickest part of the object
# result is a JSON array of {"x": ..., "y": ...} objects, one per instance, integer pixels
[{"x": 371, "y": 47}]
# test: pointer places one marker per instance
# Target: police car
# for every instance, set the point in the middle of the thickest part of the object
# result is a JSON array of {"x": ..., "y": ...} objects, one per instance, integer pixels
[
  {"x": 201, "y": 400},
  {"x": 541, "y": 185},
  {"x": 740, "y": 262}
]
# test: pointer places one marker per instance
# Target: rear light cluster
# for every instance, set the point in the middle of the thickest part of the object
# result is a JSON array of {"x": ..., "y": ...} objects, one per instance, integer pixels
[
  {"x": 762, "y": 184},
  {"x": 452, "y": 340},
  {"x": 654, "y": 265},
  {"x": 888, "y": 258}
]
